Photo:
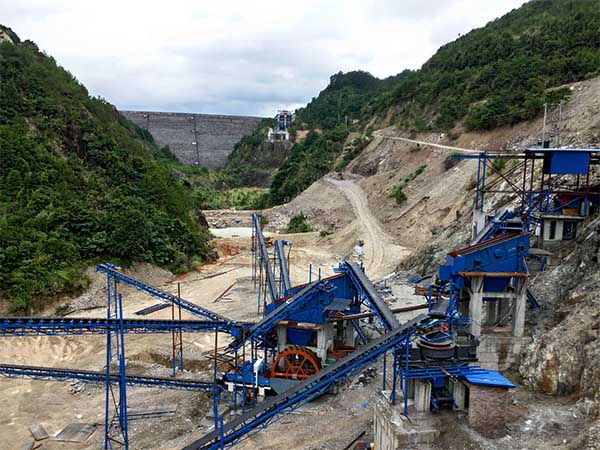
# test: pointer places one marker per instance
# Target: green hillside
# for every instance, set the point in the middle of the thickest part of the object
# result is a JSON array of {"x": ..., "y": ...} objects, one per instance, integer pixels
[
  {"x": 79, "y": 184},
  {"x": 334, "y": 113},
  {"x": 344, "y": 99},
  {"x": 497, "y": 75},
  {"x": 502, "y": 73}
]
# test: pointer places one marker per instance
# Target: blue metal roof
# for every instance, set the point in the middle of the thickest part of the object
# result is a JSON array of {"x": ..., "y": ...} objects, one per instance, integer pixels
[
  {"x": 489, "y": 378},
  {"x": 473, "y": 374}
]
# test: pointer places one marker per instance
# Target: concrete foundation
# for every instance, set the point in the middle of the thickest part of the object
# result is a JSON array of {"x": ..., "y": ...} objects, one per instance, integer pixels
[
  {"x": 393, "y": 430},
  {"x": 500, "y": 351},
  {"x": 325, "y": 336},
  {"x": 459, "y": 392},
  {"x": 422, "y": 395},
  {"x": 498, "y": 308}
]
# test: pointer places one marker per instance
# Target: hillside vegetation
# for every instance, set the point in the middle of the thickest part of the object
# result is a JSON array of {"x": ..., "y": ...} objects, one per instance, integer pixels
[
  {"x": 79, "y": 184},
  {"x": 501, "y": 74},
  {"x": 344, "y": 99},
  {"x": 254, "y": 159},
  {"x": 497, "y": 75}
]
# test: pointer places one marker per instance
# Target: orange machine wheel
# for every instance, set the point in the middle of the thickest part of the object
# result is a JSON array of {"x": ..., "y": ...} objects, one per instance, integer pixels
[{"x": 296, "y": 363}]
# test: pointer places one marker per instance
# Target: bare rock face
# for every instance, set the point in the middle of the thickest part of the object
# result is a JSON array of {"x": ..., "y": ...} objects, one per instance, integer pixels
[
  {"x": 564, "y": 356},
  {"x": 590, "y": 377},
  {"x": 4, "y": 37},
  {"x": 556, "y": 361}
]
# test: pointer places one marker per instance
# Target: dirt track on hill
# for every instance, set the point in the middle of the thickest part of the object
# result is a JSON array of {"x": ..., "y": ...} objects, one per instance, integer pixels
[{"x": 381, "y": 251}]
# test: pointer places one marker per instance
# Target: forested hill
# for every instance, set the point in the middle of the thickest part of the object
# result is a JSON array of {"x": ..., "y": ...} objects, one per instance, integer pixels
[
  {"x": 345, "y": 98},
  {"x": 496, "y": 75},
  {"x": 493, "y": 76},
  {"x": 502, "y": 73},
  {"x": 78, "y": 184}
]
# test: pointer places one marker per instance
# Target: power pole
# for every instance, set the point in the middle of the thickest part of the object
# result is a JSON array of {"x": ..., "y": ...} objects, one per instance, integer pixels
[
  {"x": 544, "y": 126},
  {"x": 559, "y": 124}
]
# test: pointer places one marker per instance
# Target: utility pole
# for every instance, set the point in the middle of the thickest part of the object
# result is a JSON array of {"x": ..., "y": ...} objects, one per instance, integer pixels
[
  {"x": 559, "y": 123},
  {"x": 544, "y": 126}
]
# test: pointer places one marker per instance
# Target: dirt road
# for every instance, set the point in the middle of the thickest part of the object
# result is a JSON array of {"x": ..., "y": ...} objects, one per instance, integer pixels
[{"x": 382, "y": 254}]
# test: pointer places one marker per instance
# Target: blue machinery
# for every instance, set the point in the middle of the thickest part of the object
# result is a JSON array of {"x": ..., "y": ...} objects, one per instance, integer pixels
[
  {"x": 270, "y": 273},
  {"x": 115, "y": 327},
  {"x": 316, "y": 302},
  {"x": 497, "y": 255},
  {"x": 558, "y": 191},
  {"x": 73, "y": 326},
  {"x": 536, "y": 195}
]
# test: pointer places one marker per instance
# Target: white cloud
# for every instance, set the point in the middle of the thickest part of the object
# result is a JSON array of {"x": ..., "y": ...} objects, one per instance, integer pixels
[{"x": 237, "y": 57}]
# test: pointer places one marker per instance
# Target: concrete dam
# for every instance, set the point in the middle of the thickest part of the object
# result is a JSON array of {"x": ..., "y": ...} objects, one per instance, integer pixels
[{"x": 196, "y": 139}]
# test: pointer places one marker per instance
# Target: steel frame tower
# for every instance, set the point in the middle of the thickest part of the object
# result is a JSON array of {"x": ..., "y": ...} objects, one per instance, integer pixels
[{"x": 116, "y": 433}]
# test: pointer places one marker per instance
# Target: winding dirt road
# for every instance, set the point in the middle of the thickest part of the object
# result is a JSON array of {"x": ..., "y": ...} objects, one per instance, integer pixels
[{"x": 382, "y": 254}]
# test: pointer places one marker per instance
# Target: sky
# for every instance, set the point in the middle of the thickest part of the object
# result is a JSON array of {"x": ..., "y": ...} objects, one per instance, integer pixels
[{"x": 237, "y": 57}]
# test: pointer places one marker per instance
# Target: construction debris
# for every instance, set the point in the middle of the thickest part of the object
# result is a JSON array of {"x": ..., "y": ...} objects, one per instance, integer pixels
[
  {"x": 76, "y": 432},
  {"x": 151, "y": 309},
  {"x": 150, "y": 413},
  {"x": 222, "y": 294},
  {"x": 38, "y": 432}
]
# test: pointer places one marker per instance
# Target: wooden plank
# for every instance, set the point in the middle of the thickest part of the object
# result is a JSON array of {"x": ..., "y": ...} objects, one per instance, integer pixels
[
  {"x": 38, "y": 432},
  {"x": 76, "y": 432},
  {"x": 224, "y": 292}
]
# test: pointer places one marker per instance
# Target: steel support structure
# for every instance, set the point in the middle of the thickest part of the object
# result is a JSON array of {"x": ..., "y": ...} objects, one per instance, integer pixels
[
  {"x": 177, "y": 337},
  {"x": 112, "y": 271},
  {"x": 116, "y": 431},
  {"x": 88, "y": 376},
  {"x": 262, "y": 270},
  {"x": 533, "y": 200},
  {"x": 76, "y": 326}
]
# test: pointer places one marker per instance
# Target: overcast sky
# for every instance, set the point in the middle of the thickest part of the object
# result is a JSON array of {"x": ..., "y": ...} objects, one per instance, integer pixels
[{"x": 237, "y": 57}]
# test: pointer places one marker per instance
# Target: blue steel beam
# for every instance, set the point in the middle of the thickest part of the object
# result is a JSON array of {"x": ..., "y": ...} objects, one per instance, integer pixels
[
  {"x": 111, "y": 271},
  {"x": 376, "y": 303},
  {"x": 283, "y": 311},
  {"x": 54, "y": 326},
  {"x": 284, "y": 269},
  {"x": 264, "y": 258},
  {"x": 87, "y": 376},
  {"x": 259, "y": 417}
]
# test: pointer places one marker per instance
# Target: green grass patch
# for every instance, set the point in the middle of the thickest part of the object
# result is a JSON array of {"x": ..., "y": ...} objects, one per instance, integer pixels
[
  {"x": 397, "y": 190},
  {"x": 299, "y": 224}
]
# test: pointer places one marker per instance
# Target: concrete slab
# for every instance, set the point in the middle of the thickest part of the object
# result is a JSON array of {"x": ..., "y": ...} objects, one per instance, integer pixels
[{"x": 76, "y": 432}]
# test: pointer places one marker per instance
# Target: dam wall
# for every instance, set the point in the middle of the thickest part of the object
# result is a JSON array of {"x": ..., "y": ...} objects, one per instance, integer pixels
[{"x": 195, "y": 139}]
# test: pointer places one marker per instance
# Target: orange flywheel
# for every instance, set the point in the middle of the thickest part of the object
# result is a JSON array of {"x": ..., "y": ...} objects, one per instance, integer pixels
[{"x": 295, "y": 362}]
